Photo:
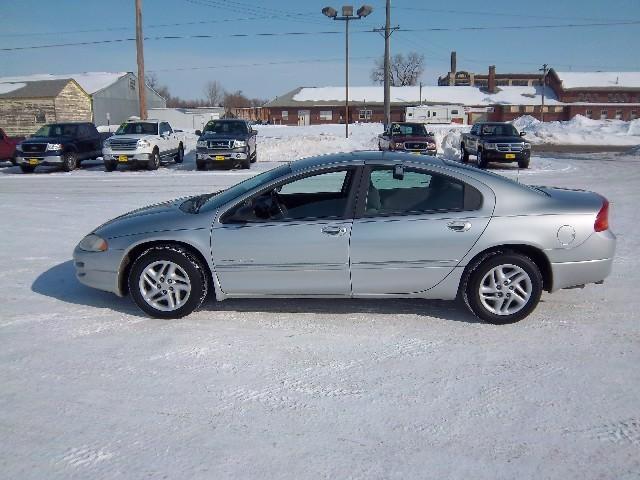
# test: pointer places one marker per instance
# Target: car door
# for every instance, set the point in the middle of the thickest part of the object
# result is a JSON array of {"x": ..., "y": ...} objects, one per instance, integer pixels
[
  {"x": 413, "y": 227},
  {"x": 165, "y": 139},
  {"x": 290, "y": 239}
]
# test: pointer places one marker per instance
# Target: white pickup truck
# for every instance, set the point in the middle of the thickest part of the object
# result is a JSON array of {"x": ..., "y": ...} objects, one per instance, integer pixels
[{"x": 142, "y": 143}]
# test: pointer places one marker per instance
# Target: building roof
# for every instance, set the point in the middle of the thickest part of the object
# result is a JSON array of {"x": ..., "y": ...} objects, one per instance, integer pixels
[
  {"x": 33, "y": 89},
  {"x": 599, "y": 79},
  {"x": 473, "y": 96},
  {"x": 91, "y": 82}
]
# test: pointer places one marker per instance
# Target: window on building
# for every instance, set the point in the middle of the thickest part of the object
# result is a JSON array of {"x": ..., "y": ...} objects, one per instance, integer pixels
[
  {"x": 520, "y": 83},
  {"x": 557, "y": 109},
  {"x": 619, "y": 114},
  {"x": 454, "y": 112},
  {"x": 364, "y": 115},
  {"x": 589, "y": 114},
  {"x": 514, "y": 108},
  {"x": 529, "y": 108},
  {"x": 41, "y": 117},
  {"x": 132, "y": 83},
  {"x": 285, "y": 115},
  {"x": 604, "y": 114},
  {"x": 326, "y": 115},
  {"x": 545, "y": 109}
]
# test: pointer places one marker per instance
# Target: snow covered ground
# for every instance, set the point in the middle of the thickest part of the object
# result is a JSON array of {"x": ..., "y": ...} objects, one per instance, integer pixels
[{"x": 91, "y": 388}]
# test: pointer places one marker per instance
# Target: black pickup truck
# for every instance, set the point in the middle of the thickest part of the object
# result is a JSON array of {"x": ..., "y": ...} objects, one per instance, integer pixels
[
  {"x": 60, "y": 144},
  {"x": 226, "y": 143},
  {"x": 495, "y": 142}
]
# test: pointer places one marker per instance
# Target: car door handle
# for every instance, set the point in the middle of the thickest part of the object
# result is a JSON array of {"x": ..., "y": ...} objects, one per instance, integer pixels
[
  {"x": 459, "y": 226},
  {"x": 335, "y": 231}
]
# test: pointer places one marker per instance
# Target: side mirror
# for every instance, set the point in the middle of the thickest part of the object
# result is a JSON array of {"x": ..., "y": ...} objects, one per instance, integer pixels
[
  {"x": 198, "y": 132},
  {"x": 522, "y": 134},
  {"x": 398, "y": 172}
]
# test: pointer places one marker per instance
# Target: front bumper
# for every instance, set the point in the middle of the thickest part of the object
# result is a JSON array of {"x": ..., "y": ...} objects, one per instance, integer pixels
[
  {"x": 221, "y": 156},
  {"x": 98, "y": 269},
  {"x": 497, "y": 156},
  {"x": 124, "y": 158},
  {"x": 428, "y": 151},
  {"x": 35, "y": 159}
]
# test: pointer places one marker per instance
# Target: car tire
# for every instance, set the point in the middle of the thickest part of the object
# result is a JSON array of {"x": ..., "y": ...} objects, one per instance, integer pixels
[
  {"x": 490, "y": 288},
  {"x": 179, "y": 158},
  {"x": 110, "y": 166},
  {"x": 27, "y": 168},
  {"x": 254, "y": 157},
  {"x": 154, "y": 161},
  {"x": 246, "y": 164},
  {"x": 201, "y": 165},
  {"x": 481, "y": 160},
  {"x": 464, "y": 155},
  {"x": 173, "y": 267},
  {"x": 69, "y": 161},
  {"x": 523, "y": 163}
]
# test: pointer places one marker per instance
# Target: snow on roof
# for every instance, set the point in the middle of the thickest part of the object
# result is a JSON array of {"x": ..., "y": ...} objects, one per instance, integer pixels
[
  {"x": 599, "y": 79},
  {"x": 10, "y": 87},
  {"x": 431, "y": 94},
  {"x": 91, "y": 82}
]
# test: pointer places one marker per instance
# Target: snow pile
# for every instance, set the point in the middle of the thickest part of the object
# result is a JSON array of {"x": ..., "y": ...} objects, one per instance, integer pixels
[
  {"x": 580, "y": 130},
  {"x": 450, "y": 145}
]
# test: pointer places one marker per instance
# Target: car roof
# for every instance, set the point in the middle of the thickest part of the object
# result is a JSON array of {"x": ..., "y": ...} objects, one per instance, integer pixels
[{"x": 360, "y": 157}]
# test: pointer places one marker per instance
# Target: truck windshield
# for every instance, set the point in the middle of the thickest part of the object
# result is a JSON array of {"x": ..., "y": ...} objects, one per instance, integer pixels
[
  {"x": 226, "y": 127},
  {"x": 408, "y": 129},
  {"x": 500, "y": 130},
  {"x": 57, "y": 130},
  {"x": 138, "y": 128}
]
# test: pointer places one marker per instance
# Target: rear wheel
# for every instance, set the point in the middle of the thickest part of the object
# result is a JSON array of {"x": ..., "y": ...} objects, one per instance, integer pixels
[
  {"x": 179, "y": 158},
  {"x": 154, "y": 161},
  {"x": 168, "y": 282},
  {"x": 503, "y": 288},
  {"x": 69, "y": 161},
  {"x": 27, "y": 168}
]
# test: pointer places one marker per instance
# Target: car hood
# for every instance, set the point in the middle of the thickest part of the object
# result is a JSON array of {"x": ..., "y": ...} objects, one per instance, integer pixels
[
  {"x": 47, "y": 140},
  {"x": 498, "y": 139},
  {"x": 223, "y": 136},
  {"x": 160, "y": 217},
  {"x": 132, "y": 136}
]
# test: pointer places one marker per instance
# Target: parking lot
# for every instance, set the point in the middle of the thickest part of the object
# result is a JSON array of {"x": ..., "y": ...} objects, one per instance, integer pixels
[{"x": 295, "y": 389}]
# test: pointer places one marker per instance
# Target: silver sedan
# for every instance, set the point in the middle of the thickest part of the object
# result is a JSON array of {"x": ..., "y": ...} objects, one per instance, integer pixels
[{"x": 359, "y": 225}]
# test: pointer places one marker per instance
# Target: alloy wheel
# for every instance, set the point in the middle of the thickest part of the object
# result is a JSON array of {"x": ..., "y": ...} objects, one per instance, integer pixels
[
  {"x": 505, "y": 289},
  {"x": 165, "y": 285}
]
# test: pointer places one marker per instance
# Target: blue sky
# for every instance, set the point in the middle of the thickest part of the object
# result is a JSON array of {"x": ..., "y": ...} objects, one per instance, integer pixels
[{"x": 37, "y": 22}]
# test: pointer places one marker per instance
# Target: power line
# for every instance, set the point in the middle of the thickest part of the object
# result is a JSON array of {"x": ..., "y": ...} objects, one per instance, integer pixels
[{"x": 326, "y": 32}]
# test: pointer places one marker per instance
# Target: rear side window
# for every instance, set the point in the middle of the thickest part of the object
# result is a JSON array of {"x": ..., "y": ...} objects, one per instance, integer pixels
[{"x": 417, "y": 192}]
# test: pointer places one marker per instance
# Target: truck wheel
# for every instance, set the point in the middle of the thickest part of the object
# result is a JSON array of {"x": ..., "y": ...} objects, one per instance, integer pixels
[
  {"x": 154, "y": 161},
  {"x": 254, "y": 158},
  {"x": 246, "y": 164},
  {"x": 27, "y": 168},
  {"x": 69, "y": 161},
  {"x": 179, "y": 158},
  {"x": 110, "y": 166},
  {"x": 482, "y": 161},
  {"x": 201, "y": 165},
  {"x": 464, "y": 155},
  {"x": 523, "y": 163}
]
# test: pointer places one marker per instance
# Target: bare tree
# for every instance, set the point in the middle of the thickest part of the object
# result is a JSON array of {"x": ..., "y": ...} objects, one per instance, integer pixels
[
  {"x": 214, "y": 93},
  {"x": 404, "y": 70},
  {"x": 236, "y": 99}
]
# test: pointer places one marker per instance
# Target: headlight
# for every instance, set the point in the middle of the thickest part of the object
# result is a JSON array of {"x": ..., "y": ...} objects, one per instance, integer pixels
[
  {"x": 202, "y": 143},
  {"x": 54, "y": 146},
  {"x": 93, "y": 243},
  {"x": 398, "y": 145},
  {"x": 431, "y": 145},
  {"x": 19, "y": 147},
  {"x": 526, "y": 146},
  {"x": 143, "y": 144},
  {"x": 490, "y": 146},
  {"x": 239, "y": 143}
]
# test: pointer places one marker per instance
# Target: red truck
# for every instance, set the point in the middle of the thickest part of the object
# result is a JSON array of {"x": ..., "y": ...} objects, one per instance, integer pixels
[{"x": 8, "y": 146}]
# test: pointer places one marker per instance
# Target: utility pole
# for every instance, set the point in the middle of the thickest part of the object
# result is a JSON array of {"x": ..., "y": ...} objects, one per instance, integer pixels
[
  {"x": 142, "y": 84},
  {"x": 387, "y": 66},
  {"x": 346, "y": 78},
  {"x": 420, "y": 93},
  {"x": 544, "y": 84}
]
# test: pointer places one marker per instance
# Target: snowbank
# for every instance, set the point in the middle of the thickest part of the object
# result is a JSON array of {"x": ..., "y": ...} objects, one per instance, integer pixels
[{"x": 580, "y": 131}]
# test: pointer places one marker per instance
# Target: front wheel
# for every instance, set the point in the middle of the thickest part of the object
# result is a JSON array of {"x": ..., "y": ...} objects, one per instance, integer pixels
[
  {"x": 504, "y": 288},
  {"x": 524, "y": 163},
  {"x": 154, "y": 161},
  {"x": 482, "y": 160},
  {"x": 168, "y": 282},
  {"x": 110, "y": 166},
  {"x": 464, "y": 155},
  {"x": 69, "y": 161},
  {"x": 27, "y": 168}
]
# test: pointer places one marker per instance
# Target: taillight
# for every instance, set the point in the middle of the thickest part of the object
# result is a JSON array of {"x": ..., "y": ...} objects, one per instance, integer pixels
[{"x": 602, "y": 219}]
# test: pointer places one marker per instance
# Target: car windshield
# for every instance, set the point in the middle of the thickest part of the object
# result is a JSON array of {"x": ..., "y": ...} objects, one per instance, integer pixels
[
  {"x": 57, "y": 130},
  {"x": 138, "y": 128},
  {"x": 499, "y": 130},
  {"x": 212, "y": 201},
  {"x": 408, "y": 129},
  {"x": 226, "y": 127}
]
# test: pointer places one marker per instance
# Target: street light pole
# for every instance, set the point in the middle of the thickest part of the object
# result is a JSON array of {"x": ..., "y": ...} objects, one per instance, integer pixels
[
  {"x": 544, "y": 84},
  {"x": 347, "y": 15}
]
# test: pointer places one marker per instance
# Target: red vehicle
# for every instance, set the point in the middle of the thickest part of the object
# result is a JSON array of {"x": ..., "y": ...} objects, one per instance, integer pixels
[
  {"x": 407, "y": 137},
  {"x": 8, "y": 146}
]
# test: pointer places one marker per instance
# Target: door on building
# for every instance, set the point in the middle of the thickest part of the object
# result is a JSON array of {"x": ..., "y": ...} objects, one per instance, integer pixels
[{"x": 304, "y": 117}]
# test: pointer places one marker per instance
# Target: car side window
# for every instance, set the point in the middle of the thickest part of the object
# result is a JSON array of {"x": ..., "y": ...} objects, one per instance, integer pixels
[
  {"x": 164, "y": 128},
  {"x": 417, "y": 192},
  {"x": 317, "y": 196}
]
